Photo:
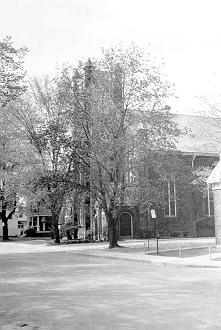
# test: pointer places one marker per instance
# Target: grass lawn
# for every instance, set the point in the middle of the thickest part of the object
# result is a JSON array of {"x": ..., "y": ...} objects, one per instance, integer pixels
[
  {"x": 188, "y": 252},
  {"x": 170, "y": 252}
]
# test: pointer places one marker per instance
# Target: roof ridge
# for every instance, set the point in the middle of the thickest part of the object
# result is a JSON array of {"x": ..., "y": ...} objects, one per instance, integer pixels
[{"x": 195, "y": 116}]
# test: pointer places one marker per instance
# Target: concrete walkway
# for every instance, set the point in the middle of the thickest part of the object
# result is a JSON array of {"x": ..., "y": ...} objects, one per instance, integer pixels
[
  {"x": 198, "y": 262},
  {"x": 101, "y": 250}
]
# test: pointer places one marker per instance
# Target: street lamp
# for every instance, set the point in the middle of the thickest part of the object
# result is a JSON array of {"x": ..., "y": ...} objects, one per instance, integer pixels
[{"x": 1, "y": 196}]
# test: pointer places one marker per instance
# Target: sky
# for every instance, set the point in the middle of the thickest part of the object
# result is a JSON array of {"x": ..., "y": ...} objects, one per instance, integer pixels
[{"x": 184, "y": 34}]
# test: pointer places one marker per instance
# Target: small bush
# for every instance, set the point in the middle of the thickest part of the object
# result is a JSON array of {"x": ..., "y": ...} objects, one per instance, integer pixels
[
  {"x": 144, "y": 233},
  {"x": 29, "y": 232}
]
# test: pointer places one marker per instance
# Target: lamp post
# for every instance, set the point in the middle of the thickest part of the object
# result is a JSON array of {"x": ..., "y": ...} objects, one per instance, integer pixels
[
  {"x": 1, "y": 194},
  {"x": 3, "y": 213},
  {"x": 1, "y": 199},
  {"x": 1, "y": 204}
]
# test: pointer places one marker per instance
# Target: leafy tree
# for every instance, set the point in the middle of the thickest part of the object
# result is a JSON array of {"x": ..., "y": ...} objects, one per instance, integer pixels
[
  {"x": 121, "y": 107},
  {"x": 56, "y": 167},
  {"x": 200, "y": 176},
  {"x": 11, "y": 150},
  {"x": 13, "y": 161},
  {"x": 11, "y": 71}
]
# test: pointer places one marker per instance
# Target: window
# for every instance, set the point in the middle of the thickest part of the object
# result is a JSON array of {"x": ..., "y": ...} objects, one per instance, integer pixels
[
  {"x": 170, "y": 198},
  {"x": 129, "y": 177},
  {"x": 208, "y": 206},
  {"x": 35, "y": 221}
]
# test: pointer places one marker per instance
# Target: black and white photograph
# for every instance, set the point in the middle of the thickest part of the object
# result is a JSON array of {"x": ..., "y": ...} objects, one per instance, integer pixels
[{"x": 110, "y": 165}]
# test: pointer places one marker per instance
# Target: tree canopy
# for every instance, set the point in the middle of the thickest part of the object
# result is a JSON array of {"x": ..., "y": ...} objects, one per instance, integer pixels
[
  {"x": 120, "y": 100},
  {"x": 90, "y": 127},
  {"x": 11, "y": 71},
  {"x": 12, "y": 149},
  {"x": 56, "y": 166}
]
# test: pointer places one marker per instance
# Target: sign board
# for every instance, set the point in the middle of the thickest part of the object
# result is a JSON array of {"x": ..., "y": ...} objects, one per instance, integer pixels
[{"x": 153, "y": 214}]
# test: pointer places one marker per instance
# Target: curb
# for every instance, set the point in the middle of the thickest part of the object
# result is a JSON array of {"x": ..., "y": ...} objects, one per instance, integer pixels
[{"x": 157, "y": 263}]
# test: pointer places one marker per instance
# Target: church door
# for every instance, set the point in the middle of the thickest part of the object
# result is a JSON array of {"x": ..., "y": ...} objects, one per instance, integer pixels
[{"x": 125, "y": 224}]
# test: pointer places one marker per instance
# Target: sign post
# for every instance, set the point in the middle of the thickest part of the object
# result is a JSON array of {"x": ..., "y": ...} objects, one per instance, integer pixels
[
  {"x": 154, "y": 216},
  {"x": 148, "y": 230}
]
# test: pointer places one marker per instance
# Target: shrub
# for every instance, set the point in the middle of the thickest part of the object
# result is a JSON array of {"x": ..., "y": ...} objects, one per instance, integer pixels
[
  {"x": 143, "y": 233},
  {"x": 29, "y": 232}
]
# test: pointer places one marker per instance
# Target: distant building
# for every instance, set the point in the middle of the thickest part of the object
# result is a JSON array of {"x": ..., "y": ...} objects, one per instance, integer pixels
[
  {"x": 15, "y": 224},
  {"x": 187, "y": 213}
]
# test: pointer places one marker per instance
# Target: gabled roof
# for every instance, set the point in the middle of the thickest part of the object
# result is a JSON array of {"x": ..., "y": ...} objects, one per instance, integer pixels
[{"x": 203, "y": 134}]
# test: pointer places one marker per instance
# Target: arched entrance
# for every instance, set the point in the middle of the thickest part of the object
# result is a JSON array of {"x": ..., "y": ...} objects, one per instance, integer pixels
[{"x": 126, "y": 225}]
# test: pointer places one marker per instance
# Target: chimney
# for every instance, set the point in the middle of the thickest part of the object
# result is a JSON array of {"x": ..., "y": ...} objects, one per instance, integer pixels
[{"x": 89, "y": 69}]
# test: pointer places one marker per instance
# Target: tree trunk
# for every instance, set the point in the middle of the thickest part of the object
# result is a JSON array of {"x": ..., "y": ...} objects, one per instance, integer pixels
[
  {"x": 5, "y": 231},
  {"x": 68, "y": 235},
  {"x": 5, "y": 226},
  {"x": 55, "y": 218},
  {"x": 112, "y": 233}
]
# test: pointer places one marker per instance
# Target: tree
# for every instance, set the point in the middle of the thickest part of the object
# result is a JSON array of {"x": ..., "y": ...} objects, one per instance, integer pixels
[
  {"x": 12, "y": 151},
  {"x": 121, "y": 107},
  {"x": 13, "y": 162},
  {"x": 55, "y": 169},
  {"x": 11, "y": 71}
]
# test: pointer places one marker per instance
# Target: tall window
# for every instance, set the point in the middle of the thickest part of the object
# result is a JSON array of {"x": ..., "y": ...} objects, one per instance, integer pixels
[
  {"x": 129, "y": 177},
  {"x": 208, "y": 205},
  {"x": 170, "y": 207}
]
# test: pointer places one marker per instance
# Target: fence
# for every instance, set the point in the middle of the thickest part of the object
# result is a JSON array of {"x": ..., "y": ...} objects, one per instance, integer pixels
[{"x": 180, "y": 249}]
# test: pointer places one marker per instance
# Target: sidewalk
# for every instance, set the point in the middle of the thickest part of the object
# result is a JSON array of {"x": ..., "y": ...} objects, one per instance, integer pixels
[
  {"x": 197, "y": 262},
  {"x": 11, "y": 247},
  {"x": 101, "y": 250}
]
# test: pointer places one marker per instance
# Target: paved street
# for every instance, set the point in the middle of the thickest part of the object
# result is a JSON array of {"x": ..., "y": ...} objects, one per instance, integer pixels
[{"x": 62, "y": 290}]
